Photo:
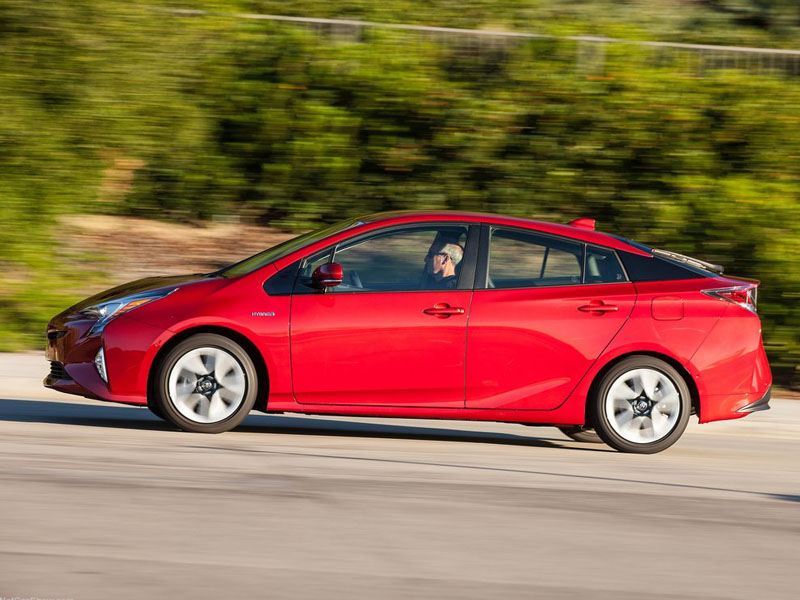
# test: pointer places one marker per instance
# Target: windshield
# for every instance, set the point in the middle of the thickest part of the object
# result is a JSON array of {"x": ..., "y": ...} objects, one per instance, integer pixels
[{"x": 255, "y": 262}]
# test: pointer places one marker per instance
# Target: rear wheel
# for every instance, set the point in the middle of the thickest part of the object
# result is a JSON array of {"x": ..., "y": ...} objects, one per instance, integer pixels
[
  {"x": 155, "y": 408},
  {"x": 641, "y": 405},
  {"x": 206, "y": 384},
  {"x": 581, "y": 434}
]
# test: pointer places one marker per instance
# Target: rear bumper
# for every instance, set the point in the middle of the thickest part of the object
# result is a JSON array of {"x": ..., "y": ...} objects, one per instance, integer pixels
[
  {"x": 732, "y": 370},
  {"x": 759, "y": 405}
]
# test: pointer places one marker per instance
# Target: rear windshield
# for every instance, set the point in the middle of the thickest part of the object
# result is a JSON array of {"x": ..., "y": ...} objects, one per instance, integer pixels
[
  {"x": 255, "y": 262},
  {"x": 664, "y": 265},
  {"x": 631, "y": 243},
  {"x": 656, "y": 268}
]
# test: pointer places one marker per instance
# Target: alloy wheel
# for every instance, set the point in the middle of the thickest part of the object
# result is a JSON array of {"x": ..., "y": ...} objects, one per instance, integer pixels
[
  {"x": 207, "y": 385},
  {"x": 643, "y": 405}
]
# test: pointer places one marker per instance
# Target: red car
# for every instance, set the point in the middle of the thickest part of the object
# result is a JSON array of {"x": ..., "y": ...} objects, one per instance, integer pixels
[{"x": 443, "y": 315}]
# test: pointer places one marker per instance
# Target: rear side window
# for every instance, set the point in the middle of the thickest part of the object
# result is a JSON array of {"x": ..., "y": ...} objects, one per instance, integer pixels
[
  {"x": 519, "y": 259},
  {"x": 602, "y": 266},
  {"x": 644, "y": 268}
]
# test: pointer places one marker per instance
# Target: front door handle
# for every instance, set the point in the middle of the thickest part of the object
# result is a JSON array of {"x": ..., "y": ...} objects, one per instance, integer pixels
[
  {"x": 598, "y": 308},
  {"x": 443, "y": 310}
]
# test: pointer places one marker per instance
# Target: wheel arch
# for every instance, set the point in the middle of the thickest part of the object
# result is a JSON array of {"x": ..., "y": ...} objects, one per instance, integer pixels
[
  {"x": 241, "y": 339},
  {"x": 687, "y": 377}
]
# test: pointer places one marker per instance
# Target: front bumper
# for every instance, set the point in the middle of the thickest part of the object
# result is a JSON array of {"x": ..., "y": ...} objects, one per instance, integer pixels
[
  {"x": 82, "y": 379},
  {"x": 129, "y": 348},
  {"x": 58, "y": 379},
  {"x": 759, "y": 405},
  {"x": 70, "y": 350}
]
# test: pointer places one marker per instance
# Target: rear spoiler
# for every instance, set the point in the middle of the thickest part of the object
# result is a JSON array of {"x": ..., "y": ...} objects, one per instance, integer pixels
[{"x": 688, "y": 260}]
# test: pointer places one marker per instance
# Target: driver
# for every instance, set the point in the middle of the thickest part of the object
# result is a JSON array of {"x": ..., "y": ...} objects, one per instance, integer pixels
[{"x": 440, "y": 265}]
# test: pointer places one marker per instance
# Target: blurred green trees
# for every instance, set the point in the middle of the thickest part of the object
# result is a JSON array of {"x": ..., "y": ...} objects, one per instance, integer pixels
[{"x": 117, "y": 108}]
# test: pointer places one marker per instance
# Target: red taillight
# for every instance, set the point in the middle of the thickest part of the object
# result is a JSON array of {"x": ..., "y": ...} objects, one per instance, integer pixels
[{"x": 744, "y": 295}]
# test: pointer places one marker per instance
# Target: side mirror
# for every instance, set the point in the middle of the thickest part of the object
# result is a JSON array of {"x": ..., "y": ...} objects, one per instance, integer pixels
[{"x": 327, "y": 276}]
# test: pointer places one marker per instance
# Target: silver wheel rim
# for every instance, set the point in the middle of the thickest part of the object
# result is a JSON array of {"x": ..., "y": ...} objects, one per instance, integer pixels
[
  {"x": 643, "y": 405},
  {"x": 207, "y": 385}
]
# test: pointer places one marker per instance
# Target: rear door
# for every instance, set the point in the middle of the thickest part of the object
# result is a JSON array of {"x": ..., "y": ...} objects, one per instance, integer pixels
[
  {"x": 547, "y": 308},
  {"x": 390, "y": 334}
]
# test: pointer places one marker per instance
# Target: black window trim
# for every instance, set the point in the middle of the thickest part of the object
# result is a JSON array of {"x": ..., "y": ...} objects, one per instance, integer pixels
[
  {"x": 475, "y": 271},
  {"x": 270, "y": 283},
  {"x": 482, "y": 267},
  {"x": 466, "y": 278},
  {"x": 619, "y": 262}
]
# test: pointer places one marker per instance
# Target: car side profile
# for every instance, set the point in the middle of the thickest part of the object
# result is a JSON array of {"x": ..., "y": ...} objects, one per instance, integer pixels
[{"x": 439, "y": 315}]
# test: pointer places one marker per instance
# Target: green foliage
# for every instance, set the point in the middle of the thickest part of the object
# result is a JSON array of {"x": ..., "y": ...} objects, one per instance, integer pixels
[{"x": 117, "y": 108}]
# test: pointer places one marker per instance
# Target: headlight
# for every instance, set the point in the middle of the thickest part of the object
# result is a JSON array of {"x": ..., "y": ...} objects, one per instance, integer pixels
[{"x": 105, "y": 311}]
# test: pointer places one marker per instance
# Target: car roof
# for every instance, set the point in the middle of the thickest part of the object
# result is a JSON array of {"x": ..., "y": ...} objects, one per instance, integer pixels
[{"x": 582, "y": 234}]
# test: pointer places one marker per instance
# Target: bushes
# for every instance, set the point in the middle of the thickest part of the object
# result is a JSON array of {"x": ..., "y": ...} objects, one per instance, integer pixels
[{"x": 124, "y": 110}]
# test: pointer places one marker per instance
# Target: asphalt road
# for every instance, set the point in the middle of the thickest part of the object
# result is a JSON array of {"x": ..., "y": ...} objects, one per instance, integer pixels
[{"x": 105, "y": 501}]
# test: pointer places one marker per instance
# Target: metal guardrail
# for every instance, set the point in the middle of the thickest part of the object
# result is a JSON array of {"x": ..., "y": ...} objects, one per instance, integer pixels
[{"x": 591, "y": 49}]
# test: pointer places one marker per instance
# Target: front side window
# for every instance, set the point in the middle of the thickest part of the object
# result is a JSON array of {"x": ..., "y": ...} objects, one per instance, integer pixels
[
  {"x": 519, "y": 259},
  {"x": 409, "y": 259}
]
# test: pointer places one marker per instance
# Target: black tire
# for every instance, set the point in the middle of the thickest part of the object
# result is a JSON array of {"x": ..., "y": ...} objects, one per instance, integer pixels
[
  {"x": 600, "y": 399},
  {"x": 581, "y": 434},
  {"x": 163, "y": 402},
  {"x": 154, "y": 408}
]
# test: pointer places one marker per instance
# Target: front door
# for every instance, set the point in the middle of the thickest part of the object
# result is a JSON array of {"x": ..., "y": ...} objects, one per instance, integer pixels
[
  {"x": 394, "y": 332},
  {"x": 542, "y": 319}
]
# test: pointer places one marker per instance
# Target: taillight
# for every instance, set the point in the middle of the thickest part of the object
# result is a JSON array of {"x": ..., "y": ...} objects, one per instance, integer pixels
[{"x": 745, "y": 296}]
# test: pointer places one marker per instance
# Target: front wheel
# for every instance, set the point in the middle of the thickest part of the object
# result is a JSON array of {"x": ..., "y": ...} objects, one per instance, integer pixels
[
  {"x": 641, "y": 405},
  {"x": 206, "y": 384}
]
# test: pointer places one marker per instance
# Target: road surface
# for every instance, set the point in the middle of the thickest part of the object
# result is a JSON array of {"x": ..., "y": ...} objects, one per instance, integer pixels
[{"x": 103, "y": 501}]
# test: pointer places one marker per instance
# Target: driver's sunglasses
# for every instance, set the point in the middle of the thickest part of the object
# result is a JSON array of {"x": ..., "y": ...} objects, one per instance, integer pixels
[{"x": 430, "y": 256}]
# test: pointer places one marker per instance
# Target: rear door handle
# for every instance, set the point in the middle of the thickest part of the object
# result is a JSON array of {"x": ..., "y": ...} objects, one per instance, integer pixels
[
  {"x": 598, "y": 307},
  {"x": 443, "y": 310}
]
